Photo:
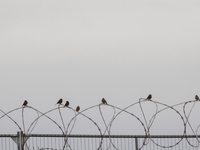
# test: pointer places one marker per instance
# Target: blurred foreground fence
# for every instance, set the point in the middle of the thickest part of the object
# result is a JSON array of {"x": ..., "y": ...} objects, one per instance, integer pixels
[
  {"x": 103, "y": 140},
  {"x": 93, "y": 142}
]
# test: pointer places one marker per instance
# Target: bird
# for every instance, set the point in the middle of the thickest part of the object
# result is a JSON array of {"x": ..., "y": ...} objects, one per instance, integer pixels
[
  {"x": 149, "y": 97},
  {"x": 60, "y": 101},
  {"x": 197, "y": 97},
  {"x": 104, "y": 101},
  {"x": 66, "y": 104},
  {"x": 25, "y": 103},
  {"x": 77, "y": 108}
]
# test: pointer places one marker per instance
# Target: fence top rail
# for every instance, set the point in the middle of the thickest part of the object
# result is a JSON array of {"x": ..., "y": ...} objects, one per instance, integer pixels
[
  {"x": 111, "y": 136},
  {"x": 99, "y": 136},
  {"x": 8, "y": 135}
]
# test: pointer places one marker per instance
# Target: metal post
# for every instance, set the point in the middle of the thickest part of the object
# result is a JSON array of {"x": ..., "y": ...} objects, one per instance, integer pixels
[
  {"x": 20, "y": 143},
  {"x": 136, "y": 143}
]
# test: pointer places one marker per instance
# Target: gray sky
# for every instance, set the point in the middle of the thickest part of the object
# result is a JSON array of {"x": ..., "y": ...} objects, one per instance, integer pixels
[{"x": 82, "y": 51}]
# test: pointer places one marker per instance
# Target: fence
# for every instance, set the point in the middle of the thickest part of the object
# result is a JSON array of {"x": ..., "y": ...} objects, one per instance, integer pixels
[
  {"x": 103, "y": 140},
  {"x": 92, "y": 142}
]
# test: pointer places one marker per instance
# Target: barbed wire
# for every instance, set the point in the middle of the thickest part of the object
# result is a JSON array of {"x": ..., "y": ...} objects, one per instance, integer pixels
[{"x": 66, "y": 129}]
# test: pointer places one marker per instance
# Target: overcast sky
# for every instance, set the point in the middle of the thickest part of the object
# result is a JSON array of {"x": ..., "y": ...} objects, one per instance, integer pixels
[{"x": 83, "y": 50}]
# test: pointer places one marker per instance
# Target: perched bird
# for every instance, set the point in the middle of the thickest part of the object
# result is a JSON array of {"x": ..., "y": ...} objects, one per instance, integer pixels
[
  {"x": 77, "y": 108},
  {"x": 104, "y": 101},
  {"x": 25, "y": 103},
  {"x": 197, "y": 97},
  {"x": 66, "y": 104},
  {"x": 60, "y": 101},
  {"x": 149, "y": 97}
]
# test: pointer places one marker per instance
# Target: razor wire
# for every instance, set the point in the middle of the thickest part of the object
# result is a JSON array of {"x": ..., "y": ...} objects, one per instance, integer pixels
[{"x": 66, "y": 129}]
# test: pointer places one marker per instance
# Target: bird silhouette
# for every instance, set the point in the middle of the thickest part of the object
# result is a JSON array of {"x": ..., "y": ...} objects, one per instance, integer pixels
[
  {"x": 60, "y": 101},
  {"x": 197, "y": 97},
  {"x": 104, "y": 101},
  {"x": 25, "y": 103},
  {"x": 149, "y": 97},
  {"x": 77, "y": 108},
  {"x": 66, "y": 104}
]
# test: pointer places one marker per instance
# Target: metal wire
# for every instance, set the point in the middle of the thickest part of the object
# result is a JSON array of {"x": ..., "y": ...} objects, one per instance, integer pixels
[{"x": 104, "y": 139}]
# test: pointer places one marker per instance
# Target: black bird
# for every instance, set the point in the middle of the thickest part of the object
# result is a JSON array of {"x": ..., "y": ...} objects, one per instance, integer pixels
[
  {"x": 197, "y": 97},
  {"x": 60, "y": 101},
  {"x": 149, "y": 97},
  {"x": 104, "y": 101},
  {"x": 66, "y": 104},
  {"x": 25, "y": 103},
  {"x": 77, "y": 108}
]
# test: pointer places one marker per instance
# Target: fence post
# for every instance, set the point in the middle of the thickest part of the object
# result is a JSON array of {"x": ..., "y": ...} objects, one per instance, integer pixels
[
  {"x": 136, "y": 143},
  {"x": 20, "y": 140}
]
